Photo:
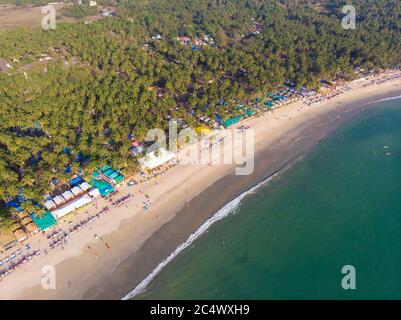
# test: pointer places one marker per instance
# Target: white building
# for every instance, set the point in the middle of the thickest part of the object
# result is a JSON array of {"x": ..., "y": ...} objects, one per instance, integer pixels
[
  {"x": 156, "y": 158},
  {"x": 72, "y": 206}
]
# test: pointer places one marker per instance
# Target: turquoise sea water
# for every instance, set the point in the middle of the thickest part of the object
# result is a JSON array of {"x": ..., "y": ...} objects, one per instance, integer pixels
[{"x": 340, "y": 205}]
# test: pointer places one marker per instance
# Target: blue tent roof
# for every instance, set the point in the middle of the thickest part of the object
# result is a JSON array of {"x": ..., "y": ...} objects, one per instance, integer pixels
[{"x": 76, "y": 181}]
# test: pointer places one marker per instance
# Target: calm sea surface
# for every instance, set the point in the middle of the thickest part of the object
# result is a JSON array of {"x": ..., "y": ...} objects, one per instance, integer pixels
[{"x": 341, "y": 205}]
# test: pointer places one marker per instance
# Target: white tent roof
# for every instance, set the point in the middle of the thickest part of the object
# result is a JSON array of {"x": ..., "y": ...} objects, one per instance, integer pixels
[
  {"x": 151, "y": 161},
  {"x": 94, "y": 192},
  {"x": 58, "y": 200},
  {"x": 76, "y": 190},
  {"x": 49, "y": 204},
  {"x": 77, "y": 203},
  {"x": 67, "y": 195},
  {"x": 85, "y": 186}
]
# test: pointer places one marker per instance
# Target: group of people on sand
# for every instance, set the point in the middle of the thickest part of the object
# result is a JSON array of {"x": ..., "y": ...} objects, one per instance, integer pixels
[
  {"x": 12, "y": 266},
  {"x": 119, "y": 202},
  {"x": 386, "y": 78},
  {"x": 59, "y": 238},
  {"x": 153, "y": 174}
]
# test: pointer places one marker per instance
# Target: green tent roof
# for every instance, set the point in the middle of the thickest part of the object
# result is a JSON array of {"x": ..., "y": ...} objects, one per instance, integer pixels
[
  {"x": 95, "y": 174},
  {"x": 109, "y": 172},
  {"x": 44, "y": 222},
  {"x": 231, "y": 121},
  {"x": 113, "y": 175},
  {"x": 119, "y": 179},
  {"x": 105, "y": 168},
  {"x": 104, "y": 187}
]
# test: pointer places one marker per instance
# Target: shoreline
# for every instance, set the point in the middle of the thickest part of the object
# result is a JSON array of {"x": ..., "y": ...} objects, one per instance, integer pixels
[
  {"x": 141, "y": 241},
  {"x": 220, "y": 202}
]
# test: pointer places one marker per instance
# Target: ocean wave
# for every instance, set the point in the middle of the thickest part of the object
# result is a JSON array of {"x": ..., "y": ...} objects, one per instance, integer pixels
[
  {"x": 228, "y": 209},
  {"x": 387, "y": 99}
]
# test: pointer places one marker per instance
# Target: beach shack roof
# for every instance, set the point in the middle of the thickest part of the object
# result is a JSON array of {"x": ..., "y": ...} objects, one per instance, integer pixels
[
  {"x": 58, "y": 200},
  {"x": 85, "y": 186},
  {"x": 109, "y": 172},
  {"x": 20, "y": 234},
  {"x": 49, "y": 204},
  {"x": 113, "y": 175},
  {"x": 104, "y": 187},
  {"x": 26, "y": 221},
  {"x": 105, "y": 168},
  {"x": 76, "y": 181},
  {"x": 94, "y": 192},
  {"x": 67, "y": 195},
  {"x": 76, "y": 191},
  {"x": 22, "y": 215},
  {"x": 96, "y": 174},
  {"x": 45, "y": 222},
  {"x": 72, "y": 206},
  {"x": 118, "y": 179},
  {"x": 231, "y": 121},
  {"x": 153, "y": 160},
  {"x": 31, "y": 227}
]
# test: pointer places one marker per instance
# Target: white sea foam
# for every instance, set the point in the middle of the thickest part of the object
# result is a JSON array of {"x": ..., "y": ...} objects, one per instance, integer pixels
[
  {"x": 387, "y": 99},
  {"x": 228, "y": 209}
]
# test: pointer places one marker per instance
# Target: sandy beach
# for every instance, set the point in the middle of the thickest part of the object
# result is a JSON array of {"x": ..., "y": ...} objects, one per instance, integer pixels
[{"x": 132, "y": 241}]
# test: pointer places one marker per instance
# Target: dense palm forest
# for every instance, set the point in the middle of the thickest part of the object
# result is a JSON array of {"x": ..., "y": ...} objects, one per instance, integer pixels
[{"x": 109, "y": 78}]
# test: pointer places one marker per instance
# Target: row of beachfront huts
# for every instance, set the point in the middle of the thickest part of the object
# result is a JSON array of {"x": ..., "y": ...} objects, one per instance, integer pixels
[{"x": 75, "y": 195}]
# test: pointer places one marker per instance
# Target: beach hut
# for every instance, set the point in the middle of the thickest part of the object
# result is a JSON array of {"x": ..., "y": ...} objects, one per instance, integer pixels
[
  {"x": 20, "y": 235},
  {"x": 104, "y": 187},
  {"x": 231, "y": 121},
  {"x": 94, "y": 193},
  {"x": 96, "y": 175},
  {"x": 68, "y": 195},
  {"x": 105, "y": 168},
  {"x": 113, "y": 175},
  {"x": 109, "y": 173},
  {"x": 22, "y": 215},
  {"x": 76, "y": 181},
  {"x": 31, "y": 228},
  {"x": 18, "y": 232},
  {"x": 58, "y": 200},
  {"x": 26, "y": 220},
  {"x": 49, "y": 204},
  {"x": 76, "y": 191},
  {"x": 85, "y": 186},
  {"x": 119, "y": 179}
]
